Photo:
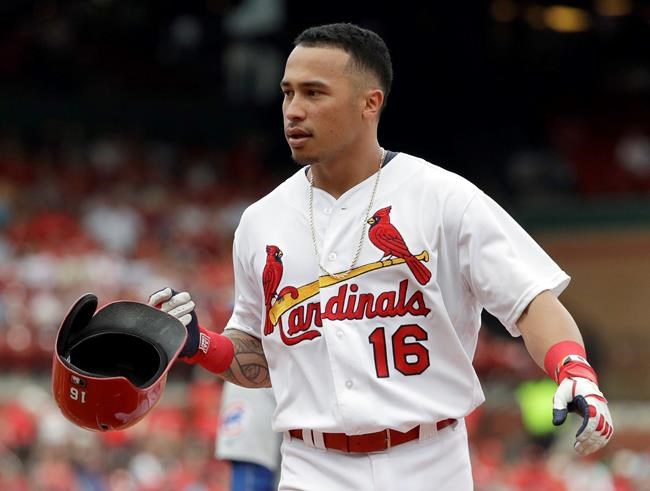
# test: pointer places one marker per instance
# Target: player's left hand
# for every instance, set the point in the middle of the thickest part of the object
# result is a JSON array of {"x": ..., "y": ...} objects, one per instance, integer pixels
[
  {"x": 181, "y": 306},
  {"x": 583, "y": 396}
]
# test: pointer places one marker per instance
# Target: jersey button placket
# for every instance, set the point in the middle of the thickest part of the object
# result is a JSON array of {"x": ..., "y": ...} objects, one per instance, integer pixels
[{"x": 323, "y": 209}]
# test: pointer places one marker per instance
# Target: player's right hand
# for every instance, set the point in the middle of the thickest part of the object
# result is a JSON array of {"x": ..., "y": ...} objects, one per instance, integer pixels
[
  {"x": 583, "y": 396},
  {"x": 181, "y": 306}
]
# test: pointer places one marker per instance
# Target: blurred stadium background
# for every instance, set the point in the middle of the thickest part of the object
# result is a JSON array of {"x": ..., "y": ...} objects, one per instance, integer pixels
[{"x": 133, "y": 134}]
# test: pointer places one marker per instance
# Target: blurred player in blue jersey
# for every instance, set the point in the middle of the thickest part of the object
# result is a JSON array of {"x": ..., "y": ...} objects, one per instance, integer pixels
[{"x": 246, "y": 440}]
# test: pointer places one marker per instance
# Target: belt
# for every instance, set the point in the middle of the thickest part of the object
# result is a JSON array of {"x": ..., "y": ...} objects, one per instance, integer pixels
[{"x": 370, "y": 442}]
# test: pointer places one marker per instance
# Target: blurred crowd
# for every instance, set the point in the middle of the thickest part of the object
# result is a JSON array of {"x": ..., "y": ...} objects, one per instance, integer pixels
[
  {"x": 119, "y": 217},
  {"x": 171, "y": 450},
  {"x": 589, "y": 155}
]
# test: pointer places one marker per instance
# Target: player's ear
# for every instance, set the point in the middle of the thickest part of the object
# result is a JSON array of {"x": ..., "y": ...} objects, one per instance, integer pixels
[{"x": 373, "y": 102}]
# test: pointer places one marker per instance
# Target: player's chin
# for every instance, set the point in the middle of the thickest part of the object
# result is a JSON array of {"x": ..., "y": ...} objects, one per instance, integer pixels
[
  {"x": 301, "y": 157},
  {"x": 302, "y": 150}
]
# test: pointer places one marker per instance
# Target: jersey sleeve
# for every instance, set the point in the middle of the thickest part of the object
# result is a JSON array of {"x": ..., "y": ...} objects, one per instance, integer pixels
[
  {"x": 247, "y": 310},
  {"x": 501, "y": 263}
]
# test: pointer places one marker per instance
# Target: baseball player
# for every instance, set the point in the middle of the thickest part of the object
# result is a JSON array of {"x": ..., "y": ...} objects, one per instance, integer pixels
[
  {"x": 245, "y": 438},
  {"x": 359, "y": 286}
]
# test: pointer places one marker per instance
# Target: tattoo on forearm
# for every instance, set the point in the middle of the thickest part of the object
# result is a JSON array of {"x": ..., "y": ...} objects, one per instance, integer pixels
[{"x": 249, "y": 368}]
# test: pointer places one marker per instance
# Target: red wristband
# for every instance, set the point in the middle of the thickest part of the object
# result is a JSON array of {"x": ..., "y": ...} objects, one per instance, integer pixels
[
  {"x": 215, "y": 352},
  {"x": 568, "y": 359}
]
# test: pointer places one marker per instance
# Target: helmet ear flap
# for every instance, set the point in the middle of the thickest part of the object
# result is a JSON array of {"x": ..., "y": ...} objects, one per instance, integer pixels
[{"x": 78, "y": 317}]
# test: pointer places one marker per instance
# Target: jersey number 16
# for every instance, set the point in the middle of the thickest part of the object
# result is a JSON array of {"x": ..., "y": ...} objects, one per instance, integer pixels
[{"x": 410, "y": 357}]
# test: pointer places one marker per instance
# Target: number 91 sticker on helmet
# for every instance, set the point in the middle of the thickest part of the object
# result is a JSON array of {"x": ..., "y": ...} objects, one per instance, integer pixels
[{"x": 110, "y": 366}]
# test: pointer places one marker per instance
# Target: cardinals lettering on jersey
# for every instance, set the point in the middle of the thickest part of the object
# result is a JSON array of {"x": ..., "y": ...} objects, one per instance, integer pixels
[
  {"x": 304, "y": 321},
  {"x": 385, "y": 237},
  {"x": 271, "y": 277}
]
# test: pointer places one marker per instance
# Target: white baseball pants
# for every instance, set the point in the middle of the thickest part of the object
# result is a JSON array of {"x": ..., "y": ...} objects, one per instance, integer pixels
[{"x": 439, "y": 463}]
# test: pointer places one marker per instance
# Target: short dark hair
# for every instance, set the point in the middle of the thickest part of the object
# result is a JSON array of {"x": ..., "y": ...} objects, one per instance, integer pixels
[{"x": 366, "y": 48}]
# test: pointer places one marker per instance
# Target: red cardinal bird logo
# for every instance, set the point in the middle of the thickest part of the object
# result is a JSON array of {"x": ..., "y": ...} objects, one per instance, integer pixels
[
  {"x": 387, "y": 238},
  {"x": 271, "y": 276}
]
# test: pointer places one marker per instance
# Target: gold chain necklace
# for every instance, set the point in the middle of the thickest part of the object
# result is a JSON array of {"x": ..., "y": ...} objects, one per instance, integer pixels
[{"x": 340, "y": 276}]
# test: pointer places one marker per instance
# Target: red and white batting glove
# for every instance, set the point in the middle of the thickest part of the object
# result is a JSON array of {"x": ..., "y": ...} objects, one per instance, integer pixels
[
  {"x": 211, "y": 350},
  {"x": 578, "y": 392}
]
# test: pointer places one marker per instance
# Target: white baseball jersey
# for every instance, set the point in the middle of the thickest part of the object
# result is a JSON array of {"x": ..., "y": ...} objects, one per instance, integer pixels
[{"x": 391, "y": 345}]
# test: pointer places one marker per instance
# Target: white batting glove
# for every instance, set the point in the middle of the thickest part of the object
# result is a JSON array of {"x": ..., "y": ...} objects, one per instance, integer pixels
[
  {"x": 583, "y": 396},
  {"x": 180, "y": 305}
]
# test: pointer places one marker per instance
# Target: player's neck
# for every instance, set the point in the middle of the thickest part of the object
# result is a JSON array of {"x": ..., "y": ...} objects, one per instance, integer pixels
[{"x": 338, "y": 175}]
